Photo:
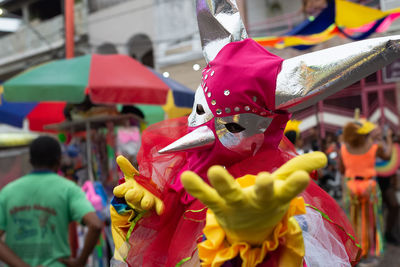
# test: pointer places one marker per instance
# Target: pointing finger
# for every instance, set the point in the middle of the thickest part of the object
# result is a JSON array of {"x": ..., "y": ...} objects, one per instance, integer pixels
[
  {"x": 264, "y": 188},
  {"x": 200, "y": 190},
  {"x": 307, "y": 162},
  {"x": 120, "y": 190},
  {"x": 292, "y": 186},
  {"x": 126, "y": 167},
  {"x": 134, "y": 196},
  {"x": 159, "y": 206},
  {"x": 225, "y": 185},
  {"x": 147, "y": 202}
]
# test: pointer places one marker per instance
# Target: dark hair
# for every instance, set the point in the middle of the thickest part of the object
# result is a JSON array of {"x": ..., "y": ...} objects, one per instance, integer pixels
[
  {"x": 351, "y": 136},
  {"x": 132, "y": 110},
  {"x": 45, "y": 152},
  {"x": 292, "y": 136}
]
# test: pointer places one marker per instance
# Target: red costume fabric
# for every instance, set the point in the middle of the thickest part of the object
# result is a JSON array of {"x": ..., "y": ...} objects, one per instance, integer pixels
[{"x": 172, "y": 238}]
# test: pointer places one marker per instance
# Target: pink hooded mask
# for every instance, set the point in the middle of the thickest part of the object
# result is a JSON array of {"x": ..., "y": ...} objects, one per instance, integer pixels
[{"x": 238, "y": 87}]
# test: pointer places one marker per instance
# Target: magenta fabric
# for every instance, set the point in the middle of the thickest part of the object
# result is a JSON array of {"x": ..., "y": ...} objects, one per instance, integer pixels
[{"x": 249, "y": 73}]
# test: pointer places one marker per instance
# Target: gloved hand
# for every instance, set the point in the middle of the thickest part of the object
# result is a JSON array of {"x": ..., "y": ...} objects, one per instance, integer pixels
[
  {"x": 136, "y": 196},
  {"x": 250, "y": 214}
]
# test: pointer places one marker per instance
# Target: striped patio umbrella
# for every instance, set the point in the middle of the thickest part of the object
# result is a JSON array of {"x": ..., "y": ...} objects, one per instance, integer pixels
[
  {"x": 106, "y": 79},
  {"x": 40, "y": 94}
]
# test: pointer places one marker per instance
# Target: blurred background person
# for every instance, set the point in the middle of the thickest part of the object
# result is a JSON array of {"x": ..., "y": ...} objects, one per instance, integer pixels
[
  {"x": 387, "y": 180},
  {"x": 361, "y": 195},
  {"x": 330, "y": 179},
  {"x": 292, "y": 133},
  {"x": 36, "y": 209}
]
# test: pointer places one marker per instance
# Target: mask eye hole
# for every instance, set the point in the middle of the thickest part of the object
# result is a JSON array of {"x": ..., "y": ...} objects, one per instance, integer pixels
[
  {"x": 200, "y": 109},
  {"x": 234, "y": 127}
]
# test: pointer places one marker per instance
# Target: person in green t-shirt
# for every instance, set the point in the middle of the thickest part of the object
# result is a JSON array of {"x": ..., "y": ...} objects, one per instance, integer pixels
[{"x": 36, "y": 209}]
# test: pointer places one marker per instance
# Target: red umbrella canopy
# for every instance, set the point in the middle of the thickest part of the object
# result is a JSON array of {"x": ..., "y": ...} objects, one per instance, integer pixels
[{"x": 105, "y": 78}]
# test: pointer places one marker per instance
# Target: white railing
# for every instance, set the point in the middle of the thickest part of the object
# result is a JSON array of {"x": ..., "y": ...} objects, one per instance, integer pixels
[
  {"x": 275, "y": 26},
  {"x": 32, "y": 37},
  {"x": 96, "y": 5},
  {"x": 39, "y": 38}
]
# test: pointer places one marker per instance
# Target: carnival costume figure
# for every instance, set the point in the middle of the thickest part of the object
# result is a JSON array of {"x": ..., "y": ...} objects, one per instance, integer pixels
[
  {"x": 178, "y": 208},
  {"x": 362, "y": 197}
]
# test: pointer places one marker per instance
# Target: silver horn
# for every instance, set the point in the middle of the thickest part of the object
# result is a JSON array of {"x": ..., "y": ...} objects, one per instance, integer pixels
[
  {"x": 219, "y": 24},
  {"x": 307, "y": 79},
  {"x": 202, "y": 137}
]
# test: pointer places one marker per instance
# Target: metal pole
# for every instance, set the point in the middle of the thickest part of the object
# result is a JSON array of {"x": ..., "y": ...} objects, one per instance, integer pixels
[
  {"x": 69, "y": 28},
  {"x": 397, "y": 94},
  {"x": 321, "y": 119},
  {"x": 364, "y": 99},
  {"x": 381, "y": 101},
  {"x": 242, "y": 5},
  {"x": 381, "y": 98},
  {"x": 89, "y": 152}
]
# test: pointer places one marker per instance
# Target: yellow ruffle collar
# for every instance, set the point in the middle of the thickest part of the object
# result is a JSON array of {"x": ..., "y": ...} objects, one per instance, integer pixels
[{"x": 216, "y": 250}]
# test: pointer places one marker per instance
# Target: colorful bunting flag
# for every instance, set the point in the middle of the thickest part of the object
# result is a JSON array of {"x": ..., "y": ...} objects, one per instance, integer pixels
[{"x": 340, "y": 17}]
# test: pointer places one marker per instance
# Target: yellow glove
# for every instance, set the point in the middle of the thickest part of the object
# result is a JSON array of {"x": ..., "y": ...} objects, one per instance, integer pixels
[
  {"x": 136, "y": 196},
  {"x": 250, "y": 214}
]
